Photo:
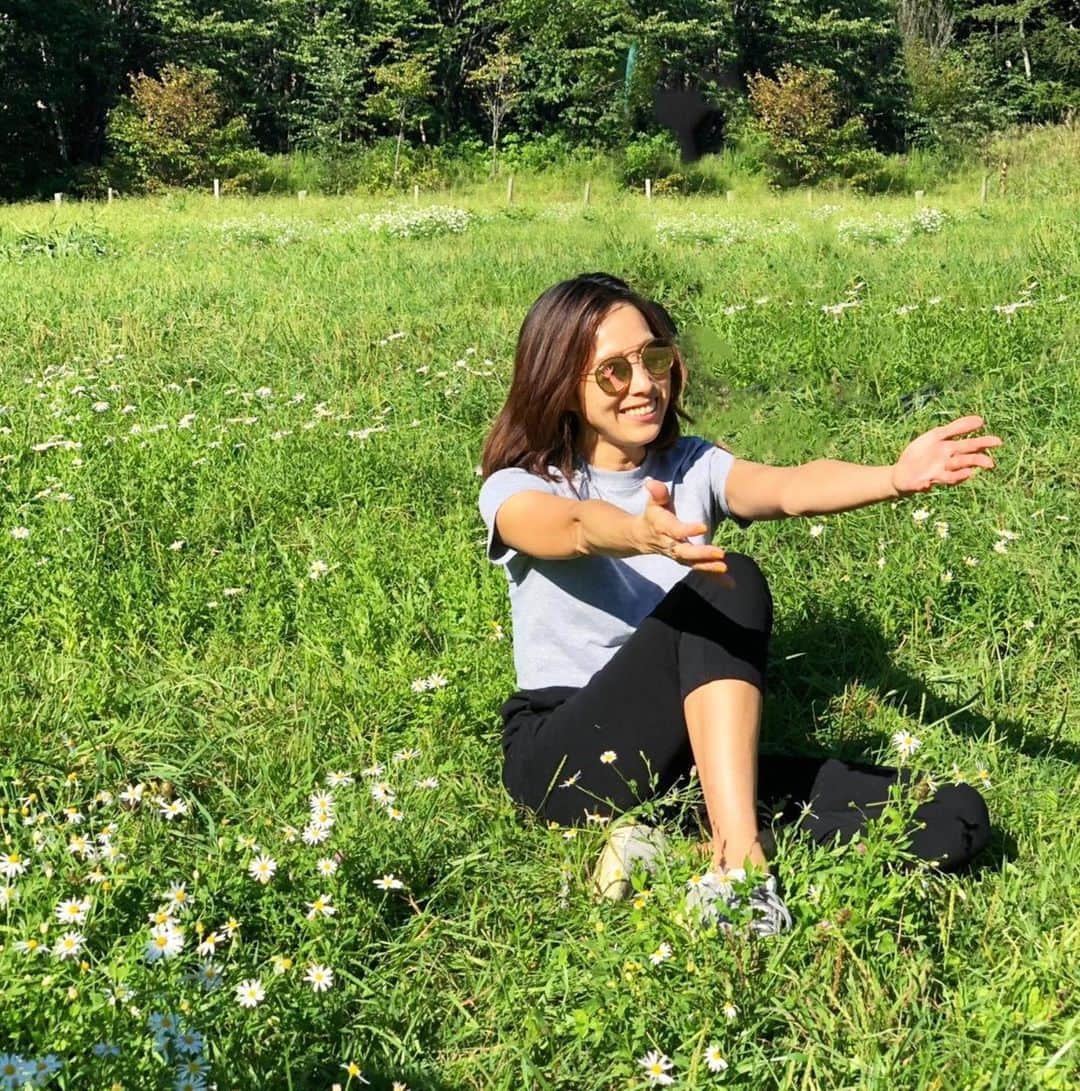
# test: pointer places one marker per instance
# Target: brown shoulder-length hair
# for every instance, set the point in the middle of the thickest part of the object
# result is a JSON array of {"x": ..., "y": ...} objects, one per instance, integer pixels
[{"x": 538, "y": 428}]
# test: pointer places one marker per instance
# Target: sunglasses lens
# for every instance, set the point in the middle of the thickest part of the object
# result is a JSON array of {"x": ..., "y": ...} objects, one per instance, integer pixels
[
  {"x": 658, "y": 359},
  {"x": 615, "y": 375}
]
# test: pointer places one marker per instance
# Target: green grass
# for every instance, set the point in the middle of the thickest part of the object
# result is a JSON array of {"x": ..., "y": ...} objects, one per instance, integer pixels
[{"x": 126, "y": 662}]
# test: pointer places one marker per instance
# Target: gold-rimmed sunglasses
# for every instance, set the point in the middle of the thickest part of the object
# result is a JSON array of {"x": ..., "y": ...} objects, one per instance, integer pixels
[{"x": 614, "y": 374}]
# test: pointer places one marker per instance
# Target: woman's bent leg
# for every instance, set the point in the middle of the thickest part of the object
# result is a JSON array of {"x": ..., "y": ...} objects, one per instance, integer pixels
[
  {"x": 723, "y": 713},
  {"x": 634, "y": 707}
]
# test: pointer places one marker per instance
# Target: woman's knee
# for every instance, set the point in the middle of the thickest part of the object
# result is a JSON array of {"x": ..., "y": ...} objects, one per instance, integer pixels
[{"x": 749, "y": 602}]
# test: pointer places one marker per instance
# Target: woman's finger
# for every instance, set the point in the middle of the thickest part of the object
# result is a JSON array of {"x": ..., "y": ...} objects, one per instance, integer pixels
[
  {"x": 959, "y": 426},
  {"x": 692, "y": 554},
  {"x": 721, "y": 576},
  {"x": 954, "y": 477},
  {"x": 976, "y": 443},
  {"x": 963, "y": 462}
]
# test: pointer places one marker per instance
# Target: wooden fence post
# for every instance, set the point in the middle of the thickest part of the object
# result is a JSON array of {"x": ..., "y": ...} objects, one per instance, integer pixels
[
  {"x": 57, "y": 198},
  {"x": 109, "y": 197},
  {"x": 510, "y": 190},
  {"x": 217, "y": 189},
  {"x": 919, "y": 194},
  {"x": 985, "y": 188},
  {"x": 416, "y": 193},
  {"x": 587, "y": 184},
  {"x": 648, "y": 189},
  {"x": 301, "y": 194},
  {"x": 730, "y": 195}
]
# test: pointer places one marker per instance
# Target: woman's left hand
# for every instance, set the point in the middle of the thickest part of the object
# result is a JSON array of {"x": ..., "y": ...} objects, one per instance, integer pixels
[{"x": 937, "y": 457}]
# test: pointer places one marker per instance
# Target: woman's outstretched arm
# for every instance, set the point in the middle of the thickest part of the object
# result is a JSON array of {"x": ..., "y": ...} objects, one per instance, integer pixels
[{"x": 937, "y": 457}]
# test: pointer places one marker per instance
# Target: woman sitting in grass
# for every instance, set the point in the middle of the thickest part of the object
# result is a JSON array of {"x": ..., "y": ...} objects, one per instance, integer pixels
[{"x": 640, "y": 647}]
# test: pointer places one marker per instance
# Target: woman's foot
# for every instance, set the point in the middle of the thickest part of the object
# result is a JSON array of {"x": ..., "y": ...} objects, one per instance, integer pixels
[{"x": 627, "y": 845}]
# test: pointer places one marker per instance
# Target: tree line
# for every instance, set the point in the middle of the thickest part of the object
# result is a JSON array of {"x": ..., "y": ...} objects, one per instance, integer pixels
[{"x": 89, "y": 88}]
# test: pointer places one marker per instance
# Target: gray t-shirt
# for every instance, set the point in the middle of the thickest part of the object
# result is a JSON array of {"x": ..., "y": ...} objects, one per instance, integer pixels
[{"x": 570, "y": 616}]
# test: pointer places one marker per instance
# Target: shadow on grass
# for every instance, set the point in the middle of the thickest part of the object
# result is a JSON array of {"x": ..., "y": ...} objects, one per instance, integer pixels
[
  {"x": 815, "y": 663},
  {"x": 832, "y": 651}
]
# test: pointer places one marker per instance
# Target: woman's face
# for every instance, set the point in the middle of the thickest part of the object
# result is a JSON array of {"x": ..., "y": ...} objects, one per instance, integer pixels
[{"x": 617, "y": 427}]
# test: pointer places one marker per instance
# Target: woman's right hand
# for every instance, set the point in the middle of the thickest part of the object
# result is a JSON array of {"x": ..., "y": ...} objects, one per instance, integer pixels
[{"x": 660, "y": 530}]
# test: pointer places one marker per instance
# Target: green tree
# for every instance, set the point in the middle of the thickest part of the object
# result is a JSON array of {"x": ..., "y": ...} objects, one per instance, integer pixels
[
  {"x": 498, "y": 82},
  {"x": 330, "y": 68},
  {"x": 404, "y": 88}
]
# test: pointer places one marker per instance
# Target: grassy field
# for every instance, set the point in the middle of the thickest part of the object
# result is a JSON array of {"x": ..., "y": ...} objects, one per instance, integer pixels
[{"x": 243, "y": 564}]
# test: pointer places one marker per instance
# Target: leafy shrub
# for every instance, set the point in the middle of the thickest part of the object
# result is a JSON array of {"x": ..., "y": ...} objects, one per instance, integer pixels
[
  {"x": 800, "y": 114},
  {"x": 174, "y": 131},
  {"x": 950, "y": 108},
  {"x": 537, "y": 153},
  {"x": 652, "y": 157}
]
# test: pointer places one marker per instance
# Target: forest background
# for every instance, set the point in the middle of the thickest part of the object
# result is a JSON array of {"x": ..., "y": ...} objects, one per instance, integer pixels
[{"x": 350, "y": 95}]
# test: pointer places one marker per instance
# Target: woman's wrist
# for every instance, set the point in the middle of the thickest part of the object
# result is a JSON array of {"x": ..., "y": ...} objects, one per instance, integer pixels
[{"x": 608, "y": 531}]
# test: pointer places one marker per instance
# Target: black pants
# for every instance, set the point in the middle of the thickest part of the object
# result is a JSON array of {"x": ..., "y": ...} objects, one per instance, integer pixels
[{"x": 554, "y": 738}]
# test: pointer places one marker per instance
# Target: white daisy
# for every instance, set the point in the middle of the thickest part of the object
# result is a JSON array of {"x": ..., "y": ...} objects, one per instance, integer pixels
[
  {"x": 715, "y": 1059},
  {"x": 320, "y": 978},
  {"x": 178, "y": 897},
  {"x": 389, "y": 882},
  {"x": 132, "y": 794},
  {"x": 339, "y": 779},
  {"x": 69, "y": 945},
  {"x": 608, "y": 757},
  {"x": 262, "y": 869},
  {"x": 327, "y": 866},
  {"x": 382, "y": 793},
  {"x": 249, "y": 993},
  {"x": 315, "y": 833},
  {"x": 321, "y": 907},
  {"x": 172, "y": 808},
  {"x": 321, "y": 801},
  {"x": 657, "y": 1067},
  {"x": 166, "y": 941},
  {"x": 209, "y": 944},
  {"x": 73, "y": 911},
  {"x": 906, "y": 743},
  {"x": 661, "y": 954}
]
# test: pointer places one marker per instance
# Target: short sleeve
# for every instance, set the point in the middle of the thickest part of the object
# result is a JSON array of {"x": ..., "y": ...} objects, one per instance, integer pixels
[
  {"x": 720, "y": 462},
  {"x": 500, "y": 486}
]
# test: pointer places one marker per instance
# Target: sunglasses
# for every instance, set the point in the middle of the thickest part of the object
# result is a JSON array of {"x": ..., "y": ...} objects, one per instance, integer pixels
[{"x": 614, "y": 374}]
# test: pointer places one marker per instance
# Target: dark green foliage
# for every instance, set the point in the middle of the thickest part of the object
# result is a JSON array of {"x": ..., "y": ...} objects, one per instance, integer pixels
[{"x": 324, "y": 75}]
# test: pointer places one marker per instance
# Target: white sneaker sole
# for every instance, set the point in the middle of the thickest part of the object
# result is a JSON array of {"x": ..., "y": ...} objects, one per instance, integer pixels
[{"x": 627, "y": 845}]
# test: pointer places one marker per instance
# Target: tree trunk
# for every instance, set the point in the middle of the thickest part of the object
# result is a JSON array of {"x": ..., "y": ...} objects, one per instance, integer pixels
[
  {"x": 400, "y": 138},
  {"x": 1024, "y": 51}
]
